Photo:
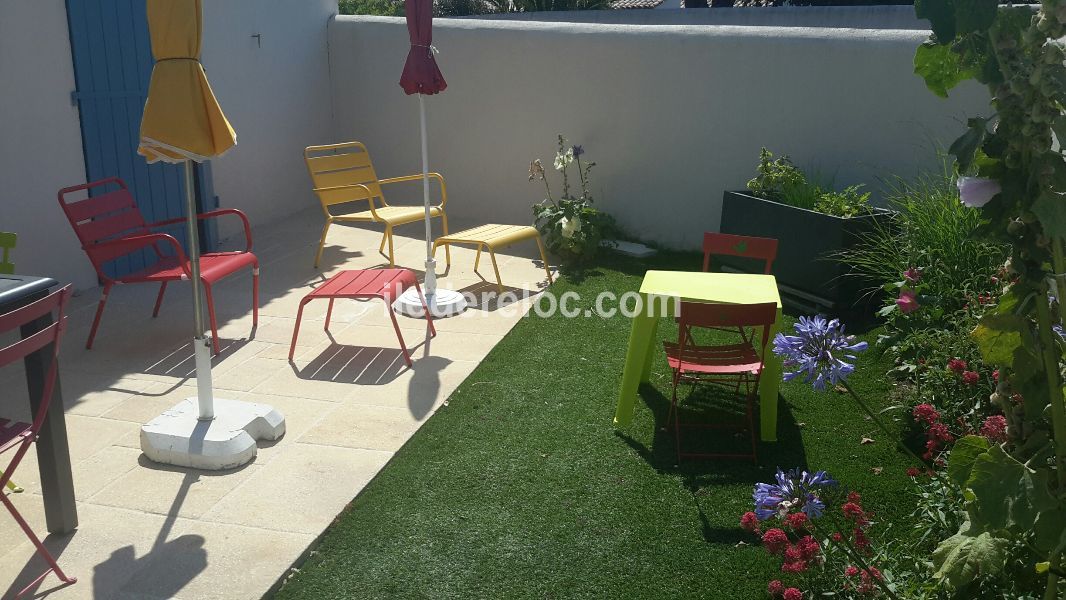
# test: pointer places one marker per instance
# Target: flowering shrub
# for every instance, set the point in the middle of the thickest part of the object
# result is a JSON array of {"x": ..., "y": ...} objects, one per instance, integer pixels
[
  {"x": 819, "y": 532},
  {"x": 571, "y": 227}
]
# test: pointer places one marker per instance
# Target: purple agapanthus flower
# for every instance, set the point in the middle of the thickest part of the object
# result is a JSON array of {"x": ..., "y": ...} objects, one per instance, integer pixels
[
  {"x": 820, "y": 350},
  {"x": 578, "y": 151},
  {"x": 792, "y": 491}
]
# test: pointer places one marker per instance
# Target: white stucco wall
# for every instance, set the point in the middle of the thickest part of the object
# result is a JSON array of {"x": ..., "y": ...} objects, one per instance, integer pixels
[
  {"x": 40, "y": 139},
  {"x": 275, "y": 92},
  {"x": 673, "y": 115}
]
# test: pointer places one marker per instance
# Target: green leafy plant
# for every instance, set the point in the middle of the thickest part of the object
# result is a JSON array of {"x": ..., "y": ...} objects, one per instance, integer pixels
[
  {"x": 572, "y": 228},
  {"x": 778, "y": 179},
  {"x": 1012, "y": 171}
]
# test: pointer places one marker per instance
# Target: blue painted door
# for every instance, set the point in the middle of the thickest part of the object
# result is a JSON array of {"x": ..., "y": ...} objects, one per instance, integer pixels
[{"x": 112, "y": 67}]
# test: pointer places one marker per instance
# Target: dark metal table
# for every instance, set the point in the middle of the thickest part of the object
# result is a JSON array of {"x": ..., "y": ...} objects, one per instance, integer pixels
[{"x": 53, "y": 454}]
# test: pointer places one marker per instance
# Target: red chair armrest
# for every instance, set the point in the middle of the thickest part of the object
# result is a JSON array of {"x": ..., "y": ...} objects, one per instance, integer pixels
[
  {"x": 135, "y": 242},
  {"x": 210, "y": 215}
]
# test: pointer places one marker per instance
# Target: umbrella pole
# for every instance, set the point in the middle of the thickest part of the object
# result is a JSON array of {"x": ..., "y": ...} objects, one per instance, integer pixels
[
  {"x": 201, "y": 345},
  {"x": 431, "y": 265}
]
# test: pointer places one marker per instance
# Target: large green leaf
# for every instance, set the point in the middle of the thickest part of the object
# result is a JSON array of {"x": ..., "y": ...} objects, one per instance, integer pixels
[
  {"x": 974, "y": 15},
  {"x": 965, "y": 147},
  {"x": 963, "y": 454},
  {"x": 964, "y": 557},
  {"x": 999, "y": 335},
  {"x": 1003, "y": 492},
  {"x": 940, "y": 67},
  {"x": 941, "y": 17},
  {"x": 1050, "y": 208}
]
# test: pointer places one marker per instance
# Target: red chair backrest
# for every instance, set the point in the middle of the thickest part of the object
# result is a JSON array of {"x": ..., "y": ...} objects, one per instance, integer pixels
[
  {"x": 705, "y": 314},
  {"x": 104, "y": 217},
  {"x": 727, "y": 244},
  {"x": 52, "y": 334}
]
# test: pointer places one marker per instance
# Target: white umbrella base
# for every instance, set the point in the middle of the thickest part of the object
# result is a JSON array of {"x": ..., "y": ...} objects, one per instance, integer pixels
[
  {"x": 177, "y": 437},
  {"x": 442, "y": 303}
]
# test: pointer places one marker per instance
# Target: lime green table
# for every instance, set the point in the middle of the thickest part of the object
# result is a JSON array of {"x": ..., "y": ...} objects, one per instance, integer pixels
[{"x": 659, "y": 293}]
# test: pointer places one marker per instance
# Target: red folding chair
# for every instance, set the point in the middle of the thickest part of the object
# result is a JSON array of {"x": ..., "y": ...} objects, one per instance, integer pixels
[
  {"x": 740, "y": 363},
  {"x": 745, "y": 246},
  {"x": 110, "y": 226},
  {"x": 19, "y": 436}
]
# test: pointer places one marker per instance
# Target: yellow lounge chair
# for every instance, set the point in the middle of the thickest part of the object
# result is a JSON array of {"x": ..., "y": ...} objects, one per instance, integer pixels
[{"x": 343, "y": 173}]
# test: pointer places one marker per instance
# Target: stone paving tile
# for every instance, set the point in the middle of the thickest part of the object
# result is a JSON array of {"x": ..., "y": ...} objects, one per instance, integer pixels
[{"x": 320, "y": 480}]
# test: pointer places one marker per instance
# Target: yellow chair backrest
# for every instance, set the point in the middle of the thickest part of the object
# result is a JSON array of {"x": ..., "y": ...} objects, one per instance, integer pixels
[{"x": 338, "y": 172}]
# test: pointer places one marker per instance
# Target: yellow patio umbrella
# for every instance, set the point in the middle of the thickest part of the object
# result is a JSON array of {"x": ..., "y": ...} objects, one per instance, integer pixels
[{"x": 183, "y": 122}]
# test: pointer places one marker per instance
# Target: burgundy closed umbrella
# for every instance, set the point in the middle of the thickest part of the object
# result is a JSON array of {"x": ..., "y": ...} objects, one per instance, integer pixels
[{"x": 422, "y": 76}]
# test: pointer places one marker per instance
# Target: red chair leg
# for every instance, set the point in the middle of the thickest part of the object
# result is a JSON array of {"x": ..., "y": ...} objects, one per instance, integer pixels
[
  {"x": 677, "y": 416},
  {"x": 296, "y": 328},
  {"x": 399, "y": 336},
  {"x": 41, "y": 549},
  {"x": 99, "y": 313},
  {"x": 329, "y": 314},
  {"x": 255, "y": 294},
  {"x": 425, "y": 307},
  {"x": 211, "y": 317},
  {"x": 159, "y": 299}
]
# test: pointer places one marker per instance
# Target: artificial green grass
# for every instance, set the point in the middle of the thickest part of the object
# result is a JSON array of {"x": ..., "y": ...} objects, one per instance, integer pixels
[{"x": 522, "y": 487}]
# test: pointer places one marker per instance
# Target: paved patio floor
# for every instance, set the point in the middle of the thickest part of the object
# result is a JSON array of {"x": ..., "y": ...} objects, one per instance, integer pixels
[{"x": 149, "y": 531}]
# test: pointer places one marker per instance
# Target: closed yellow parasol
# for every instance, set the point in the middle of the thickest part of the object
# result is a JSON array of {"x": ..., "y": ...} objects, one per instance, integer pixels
[{"x": 182, "y": 120}]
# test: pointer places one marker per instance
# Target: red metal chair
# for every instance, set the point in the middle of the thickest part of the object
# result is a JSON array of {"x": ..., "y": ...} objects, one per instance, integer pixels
[
  {"x": 743, "y": 246},
  {"x": 727, "y": 244},
  {"x": 741, "y": 363},
  {"x": 110, "y": 226},
  {"x": 358, "y": 284},
  {"x": 19, "y": 436}
]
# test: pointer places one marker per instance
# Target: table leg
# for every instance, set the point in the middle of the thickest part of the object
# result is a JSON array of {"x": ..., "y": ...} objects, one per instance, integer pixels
[
  {"x": 637, "y": 367},
  {"x": 53, "y": 453},
  {"x": 770, "y": 386}
]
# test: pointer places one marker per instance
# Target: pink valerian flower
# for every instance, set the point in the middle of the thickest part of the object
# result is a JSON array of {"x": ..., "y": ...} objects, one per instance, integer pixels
[
  {"x": 995, "y": 375},
  {"x": 851, "y": 571},
  {"x": 854, "y": 512},
  {"x": 775, "y": 588},
  {"x": 913, "y": 471},
  {"x": 775, "y": 540},
  {"x": 809, "y": 548},
  {"x": 749, "y": 522},
  {"x": 792, "y": 594},
  {"x": 912, "y": 275},
  {"x": 925, "y": 413},
  {"x": 797, "y": 521},
  {"x": 975, "y": 192},
  {"x": 957, "y": 365},
  {"x": 995, "y": 429},
  {"x": 970, "y": 377},
  {"x": 907, "y": 301},
  {"x": 939, "y": 432}
]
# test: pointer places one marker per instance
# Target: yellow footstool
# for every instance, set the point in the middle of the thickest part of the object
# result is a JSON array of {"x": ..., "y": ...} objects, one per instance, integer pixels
[{"x": 492, "y": 238}]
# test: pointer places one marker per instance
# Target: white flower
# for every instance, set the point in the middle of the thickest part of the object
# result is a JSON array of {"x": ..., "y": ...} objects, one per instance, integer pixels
[
  {"x": 563, "y": 159},
  {"x": 570, "y": 226},
  {"x": 976, "y": 192}
]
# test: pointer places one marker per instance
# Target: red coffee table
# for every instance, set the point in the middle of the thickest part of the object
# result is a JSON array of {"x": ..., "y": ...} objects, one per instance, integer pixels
[{"x": 386, "y": 284}]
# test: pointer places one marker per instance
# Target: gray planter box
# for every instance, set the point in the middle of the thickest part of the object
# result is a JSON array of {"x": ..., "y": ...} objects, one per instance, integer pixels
[{"x": 807, "y": 240}]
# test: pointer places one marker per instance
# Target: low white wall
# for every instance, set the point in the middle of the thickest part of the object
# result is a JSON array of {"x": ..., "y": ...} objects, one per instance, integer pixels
[
  {"x": 40, "y": 139},
  {"x": 275, "y": 91},
  {"x": 673, "y": 115},
  {"x": 668, "y": 13}
]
